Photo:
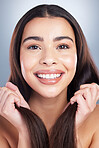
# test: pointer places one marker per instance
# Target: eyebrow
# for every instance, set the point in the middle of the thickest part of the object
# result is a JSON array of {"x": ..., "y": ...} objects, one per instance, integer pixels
[
  {"x": 63, "y": 37},
  {"x": 37, "y": 38}
]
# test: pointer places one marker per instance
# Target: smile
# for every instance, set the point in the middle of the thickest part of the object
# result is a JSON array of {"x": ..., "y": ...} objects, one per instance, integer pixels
[{"x": 49, "y": 77}]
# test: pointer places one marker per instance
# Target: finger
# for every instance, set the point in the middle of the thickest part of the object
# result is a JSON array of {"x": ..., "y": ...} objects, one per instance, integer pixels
[
  {"x": 5, "y": 98},
  {"x": 89, "y": 85},
  {"x": 87, "y": 95},
  {"x": 94, "y": 90},
  {"x": 16, "y": 90},
  {"x": 11, "y": 86},
  {"x": 82, "y": 106},
  {"x": 4, "y": 93},
  {"x": 23, "y": 102},
  {"x": 9, "y": 104},
  {"x": 85, "y": 92},
  {"x": 77, "y": 93},
  {"x": 8, "y": 109},
  {"x": 3, "y": 89}
]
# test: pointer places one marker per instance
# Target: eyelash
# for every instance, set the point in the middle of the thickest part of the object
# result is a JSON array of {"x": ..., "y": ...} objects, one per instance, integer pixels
[
  {"x": 33, "y": 47},
  {"x": 63, "y": 46}
]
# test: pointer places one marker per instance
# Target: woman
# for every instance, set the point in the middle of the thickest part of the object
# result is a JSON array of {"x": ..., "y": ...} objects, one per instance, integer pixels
[{"x": 46, "y": 102}]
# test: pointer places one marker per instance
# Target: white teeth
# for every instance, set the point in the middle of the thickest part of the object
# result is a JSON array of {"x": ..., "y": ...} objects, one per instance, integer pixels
[{"x": 48, "y": 76}]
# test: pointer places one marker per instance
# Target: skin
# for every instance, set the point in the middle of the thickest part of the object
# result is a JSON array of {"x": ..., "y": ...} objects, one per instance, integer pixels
[
  {"x": 47, "y": 52},
  {"x": 47, "y": 100}
]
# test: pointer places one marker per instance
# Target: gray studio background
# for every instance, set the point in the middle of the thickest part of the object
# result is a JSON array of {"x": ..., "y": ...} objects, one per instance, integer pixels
[{"x": 85, "y": 11}]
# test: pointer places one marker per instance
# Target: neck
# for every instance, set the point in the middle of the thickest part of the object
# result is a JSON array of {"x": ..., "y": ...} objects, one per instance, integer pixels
[{"x": 48, "y": 109}]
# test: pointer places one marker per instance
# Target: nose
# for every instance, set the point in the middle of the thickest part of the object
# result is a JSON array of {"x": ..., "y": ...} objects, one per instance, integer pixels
[{"x": 48, "y": 58}]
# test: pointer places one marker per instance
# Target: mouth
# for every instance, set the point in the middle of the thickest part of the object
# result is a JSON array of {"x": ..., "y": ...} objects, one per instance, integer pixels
[{"x": 49, "y": 77}]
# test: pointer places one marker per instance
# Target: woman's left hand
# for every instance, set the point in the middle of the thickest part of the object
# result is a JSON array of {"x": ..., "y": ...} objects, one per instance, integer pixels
[{"x": 86, "y": 99}]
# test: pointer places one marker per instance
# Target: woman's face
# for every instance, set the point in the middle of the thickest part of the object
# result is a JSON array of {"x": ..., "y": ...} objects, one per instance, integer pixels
[{"x": 48, "y": 55}]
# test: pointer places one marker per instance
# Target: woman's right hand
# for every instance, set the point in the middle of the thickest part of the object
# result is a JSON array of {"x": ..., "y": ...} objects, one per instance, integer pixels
[{"x": 9, "y": 96}]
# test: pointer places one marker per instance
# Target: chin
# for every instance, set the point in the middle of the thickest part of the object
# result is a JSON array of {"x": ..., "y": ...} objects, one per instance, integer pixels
[{"x": 51, "y": 94}]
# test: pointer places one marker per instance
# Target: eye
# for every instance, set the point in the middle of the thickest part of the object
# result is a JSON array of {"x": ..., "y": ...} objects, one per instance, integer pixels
[
  {"x": 34, "y": 47},
  {"x": 63, "y": 46}
]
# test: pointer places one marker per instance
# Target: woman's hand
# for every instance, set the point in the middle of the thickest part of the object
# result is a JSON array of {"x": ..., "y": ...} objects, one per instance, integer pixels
[
  {"x": 9, "y": 96},
  {"x": 86, "y": 99}
]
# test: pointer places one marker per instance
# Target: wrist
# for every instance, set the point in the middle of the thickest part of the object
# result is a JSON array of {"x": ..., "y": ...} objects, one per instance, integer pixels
[
  {"x": 24, "y": 139},
  {"x": 23, "y": 131}
]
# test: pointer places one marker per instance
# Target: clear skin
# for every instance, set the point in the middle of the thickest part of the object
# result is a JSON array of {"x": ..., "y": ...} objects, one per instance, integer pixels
[
  {"x": 47, "y": 55},
  {"x": 47, "y": 100},
  {"x": 50, "y": 55}
]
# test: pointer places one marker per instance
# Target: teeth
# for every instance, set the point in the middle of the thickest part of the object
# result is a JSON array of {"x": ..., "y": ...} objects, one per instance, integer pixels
[{"x": 48, "y": 76}]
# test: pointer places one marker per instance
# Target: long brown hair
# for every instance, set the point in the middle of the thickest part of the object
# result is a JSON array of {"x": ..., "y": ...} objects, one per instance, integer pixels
[{"x": 63, "y": 132}]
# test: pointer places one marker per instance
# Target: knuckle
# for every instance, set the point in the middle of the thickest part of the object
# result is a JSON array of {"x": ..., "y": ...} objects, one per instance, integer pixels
[
  {"x": 94, "y": 85},
  {"x": 87, "y": 89},
  {"x": 10, "y": 95},
  {"x": 78, "y": 95},
  {"x": 81, "y": 86},
  {"x": 16, "y": 87},
  {"x": 3, "y": 88},
  {"x": 4, "y": 111},
  {"x": 6, "y": 91}
]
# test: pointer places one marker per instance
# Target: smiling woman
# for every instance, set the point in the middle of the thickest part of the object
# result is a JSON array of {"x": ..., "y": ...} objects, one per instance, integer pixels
[
  {"x": 55, "y": 52},
  {"x": 50, "y": 99}
]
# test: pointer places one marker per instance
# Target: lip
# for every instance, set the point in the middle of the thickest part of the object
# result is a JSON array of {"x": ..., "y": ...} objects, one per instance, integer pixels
[
  {"x": 52, "y": 71},
  {"x": 49, "y": 81}
]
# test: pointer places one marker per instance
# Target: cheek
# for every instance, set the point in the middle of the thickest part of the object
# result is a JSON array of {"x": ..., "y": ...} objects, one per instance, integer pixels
[
  {"x": 27, "y": 63},
  {"x": 70, "y": 62}
]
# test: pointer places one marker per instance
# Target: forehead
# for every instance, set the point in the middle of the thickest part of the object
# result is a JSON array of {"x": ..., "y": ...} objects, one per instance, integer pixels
[{"x": 48, "y": 25}]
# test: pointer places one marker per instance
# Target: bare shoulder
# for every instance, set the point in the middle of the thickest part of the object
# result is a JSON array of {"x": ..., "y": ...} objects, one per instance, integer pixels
[
  {"x": 94, "y": 122},
  {"x": 89, "y": 131},
  {"x": 94, "y": 117},
  {"x": 8, "y": 134},
  {"x": 96, "y": 110}
]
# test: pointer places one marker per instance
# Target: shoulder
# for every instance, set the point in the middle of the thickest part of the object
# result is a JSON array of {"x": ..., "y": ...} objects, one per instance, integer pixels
[
  {"x": 94, "y": 117},
  {"x": 8, "y": 134},
  {"x": 94, "y": 124},
  {"x": 89, "y": 131}
]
